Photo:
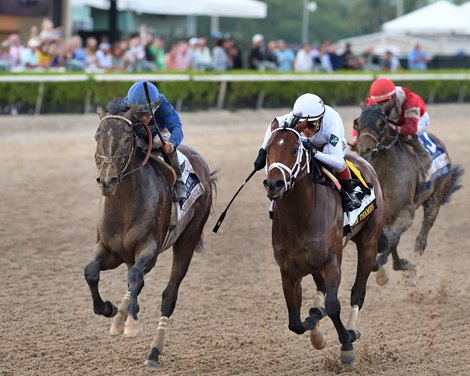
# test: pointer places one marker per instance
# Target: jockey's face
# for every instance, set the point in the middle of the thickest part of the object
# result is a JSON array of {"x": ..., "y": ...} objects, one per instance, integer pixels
[
  {"x": 387, "y": 105},
  {"x": 312, "y": 128}
]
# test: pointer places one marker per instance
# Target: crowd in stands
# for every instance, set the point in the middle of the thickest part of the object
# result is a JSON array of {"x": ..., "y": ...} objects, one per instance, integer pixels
[{"x": 46, "y": 49}]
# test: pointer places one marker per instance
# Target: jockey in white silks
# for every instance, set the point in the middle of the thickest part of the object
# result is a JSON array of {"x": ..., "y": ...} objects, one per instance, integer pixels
[{"x": 323, "y": 136}]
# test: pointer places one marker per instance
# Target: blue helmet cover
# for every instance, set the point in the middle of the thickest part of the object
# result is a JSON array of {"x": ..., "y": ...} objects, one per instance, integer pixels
[{"x": 136, "y": 96}]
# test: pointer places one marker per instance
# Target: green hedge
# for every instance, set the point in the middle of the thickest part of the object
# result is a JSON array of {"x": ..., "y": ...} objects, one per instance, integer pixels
[{"x": 72, "y": 97}]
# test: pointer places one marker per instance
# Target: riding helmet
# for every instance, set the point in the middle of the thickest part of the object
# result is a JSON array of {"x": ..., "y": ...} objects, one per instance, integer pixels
[
  {"x": 381, "y": 89},
  {"x": 309, "y": 106},
  {"x": 136, "y": 96}
]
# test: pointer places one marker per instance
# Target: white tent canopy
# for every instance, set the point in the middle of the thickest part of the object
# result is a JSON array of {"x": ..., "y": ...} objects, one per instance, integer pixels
[
  {"x": 216, "y": 8},
  {"x": 440, "y": 17}
]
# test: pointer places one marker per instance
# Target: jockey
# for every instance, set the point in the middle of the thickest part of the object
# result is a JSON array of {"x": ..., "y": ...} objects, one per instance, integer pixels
[
  {"x": 324, "y": 137},
  {"x": 168, "y": 122},
  {"x": 406, "y": 112}
]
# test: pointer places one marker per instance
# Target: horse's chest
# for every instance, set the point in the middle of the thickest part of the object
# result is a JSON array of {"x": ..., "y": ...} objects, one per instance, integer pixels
[{"x": 303, "y": 259}]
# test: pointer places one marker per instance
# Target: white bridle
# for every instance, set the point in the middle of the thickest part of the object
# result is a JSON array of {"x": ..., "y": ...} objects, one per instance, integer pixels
[{"x": 298, "y": 166}]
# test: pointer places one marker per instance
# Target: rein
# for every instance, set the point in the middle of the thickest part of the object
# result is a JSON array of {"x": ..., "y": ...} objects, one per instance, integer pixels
[
  {"x": 298, "y": 170},
  {"x": 379, "y": 140},
  {"x": 109, "y": 159}
]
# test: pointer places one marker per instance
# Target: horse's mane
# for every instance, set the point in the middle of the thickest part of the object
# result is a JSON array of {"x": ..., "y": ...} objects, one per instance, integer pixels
[{"x": 116, "y": 106}]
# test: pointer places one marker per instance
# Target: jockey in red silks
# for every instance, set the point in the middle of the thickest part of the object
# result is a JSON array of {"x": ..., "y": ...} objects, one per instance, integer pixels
[
  {"x": 406, "y": 112},
  {"x": 324, "y": 138}
]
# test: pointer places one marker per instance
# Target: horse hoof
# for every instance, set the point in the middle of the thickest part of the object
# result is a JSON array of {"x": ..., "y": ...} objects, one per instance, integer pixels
[
  {"x": 132, "y": 328},
  {"x": 347, "y": 357},
  {"x": 317, "y": 339},
  {"x": 411, "y": 277},
  {"x": 402, "y": 264},
  {"x": 110, "y": 310},
  {"x": 151, "y": 363},
  {"x": 381, "y": 277},
  {"x": 116, "y": 330}
]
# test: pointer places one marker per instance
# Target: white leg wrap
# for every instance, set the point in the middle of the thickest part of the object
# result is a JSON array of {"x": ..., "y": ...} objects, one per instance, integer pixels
[
  {"x": 117, "y": 325},
  {"x": 159, "y": 339},
  {"x": 319, "y": 300},
  {"x": 353, "y": 317}
]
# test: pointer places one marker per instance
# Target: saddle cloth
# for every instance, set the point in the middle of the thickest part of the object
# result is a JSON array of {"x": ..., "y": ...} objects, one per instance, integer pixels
[
  {"x": 368, "y": 205},
  {"x": 182, "y": 211},
  {"x": 440, "y": 166}
]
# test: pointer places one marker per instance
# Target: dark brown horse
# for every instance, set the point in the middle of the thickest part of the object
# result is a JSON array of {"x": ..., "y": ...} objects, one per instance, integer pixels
[
  {"x": 307, "y": 238},
  {"x": 134, "y": 219},
  {"x": 402, "y": 185}
]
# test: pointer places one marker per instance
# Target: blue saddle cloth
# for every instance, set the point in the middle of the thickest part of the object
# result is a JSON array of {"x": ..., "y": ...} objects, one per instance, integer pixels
[{"x": 440, "y": 166}]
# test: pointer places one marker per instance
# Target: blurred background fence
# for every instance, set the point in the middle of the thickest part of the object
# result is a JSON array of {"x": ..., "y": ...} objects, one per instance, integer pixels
[{"x": 81, "y": 93}]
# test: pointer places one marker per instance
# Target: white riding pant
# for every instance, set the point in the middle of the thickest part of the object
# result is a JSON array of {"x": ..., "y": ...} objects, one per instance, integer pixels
[{"x": 423, "y": 123}]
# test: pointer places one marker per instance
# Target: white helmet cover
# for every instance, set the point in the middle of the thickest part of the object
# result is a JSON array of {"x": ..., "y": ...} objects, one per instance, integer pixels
[{"x": 309, "y": 106}]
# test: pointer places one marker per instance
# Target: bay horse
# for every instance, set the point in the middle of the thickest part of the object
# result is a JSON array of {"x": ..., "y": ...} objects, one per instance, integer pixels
[
  {"x": 134, "y": 219},
  {"x": 307, "y": 237},
  {"x": 398, "y": 171}
]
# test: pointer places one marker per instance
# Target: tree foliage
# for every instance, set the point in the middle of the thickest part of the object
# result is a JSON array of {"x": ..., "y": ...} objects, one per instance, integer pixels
[{"x": 333, "y": 19}]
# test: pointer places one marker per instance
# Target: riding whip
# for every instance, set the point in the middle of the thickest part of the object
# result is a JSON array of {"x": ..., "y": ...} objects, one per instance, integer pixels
[
  {"x": 147, "y": 95},
  {"x": 222, "y": 216}
]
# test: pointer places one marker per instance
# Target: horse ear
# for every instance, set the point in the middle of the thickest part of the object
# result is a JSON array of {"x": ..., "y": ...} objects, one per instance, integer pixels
[
  {"x": 301, "y": 126},
  {"x": 274, "y": 125},
  {"x": 100, "y": 111},
  {"x": 362, "y": 105}
]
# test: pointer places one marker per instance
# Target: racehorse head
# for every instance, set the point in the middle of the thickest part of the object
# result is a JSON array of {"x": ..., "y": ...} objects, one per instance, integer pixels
[
  {"x": 286, "y": 159},
  {"x": 115, "y": 147},
  {"x": 374, "y": 133}
]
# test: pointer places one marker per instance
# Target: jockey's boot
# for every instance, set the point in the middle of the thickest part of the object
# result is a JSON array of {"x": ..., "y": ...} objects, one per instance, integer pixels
[
  {"x": 352, "y": 192},
  {"x": 180, "y": 188},
  {"x": 424, "y": 159},
  {"x": 352, "y": 195}
]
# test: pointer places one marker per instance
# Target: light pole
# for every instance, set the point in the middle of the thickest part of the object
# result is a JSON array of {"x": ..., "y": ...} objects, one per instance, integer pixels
[{"x": 309, "y": 6}]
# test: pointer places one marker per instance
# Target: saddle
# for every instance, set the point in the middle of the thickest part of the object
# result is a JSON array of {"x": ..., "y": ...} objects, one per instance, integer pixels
[{"x": 167, "y": 171}]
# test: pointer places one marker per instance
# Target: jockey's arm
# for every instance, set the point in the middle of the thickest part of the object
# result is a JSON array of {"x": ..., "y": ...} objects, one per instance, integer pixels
[
  {"x": 332, "y": 156},
  {"x": 333, "y": 151},
  {"x": 409, "y": 126},
  {"x": 167, "y": 117}
]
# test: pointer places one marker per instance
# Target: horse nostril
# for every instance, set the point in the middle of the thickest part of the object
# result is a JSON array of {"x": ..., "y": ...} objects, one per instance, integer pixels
[
  {"x": 265, "y": 184},
  {"x": 279, "y": 184},
  {"x": 98, "y": 180}
]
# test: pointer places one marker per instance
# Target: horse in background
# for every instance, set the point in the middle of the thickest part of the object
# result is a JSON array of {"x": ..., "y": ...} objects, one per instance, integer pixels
[
  {"x": 403, "y": 187},
  {"x": 134, "y": 221},
  {"x": 307, "y": 237}
]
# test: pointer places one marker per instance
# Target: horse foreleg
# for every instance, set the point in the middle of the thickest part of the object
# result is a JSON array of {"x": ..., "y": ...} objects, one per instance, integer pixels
[
  {"x": 332, "y": 273},
  {"x": 135, "y": 281},
  {"x": 183, "y": 251},
  {"x": 117, "y": 326},
  {"x": 293, "y": 296},
  {"x": 103, "y": 260},
  {"x": 317, "y": 338}
]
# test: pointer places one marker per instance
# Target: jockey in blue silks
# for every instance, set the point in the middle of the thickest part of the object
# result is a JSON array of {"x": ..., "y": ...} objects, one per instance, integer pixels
[{"x": 168, "y": 122}]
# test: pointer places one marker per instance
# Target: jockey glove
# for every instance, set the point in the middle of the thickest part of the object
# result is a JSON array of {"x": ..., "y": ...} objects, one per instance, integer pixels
[
  {"x": 260, "y": 161},
  {"x": 309, "y": 146}
]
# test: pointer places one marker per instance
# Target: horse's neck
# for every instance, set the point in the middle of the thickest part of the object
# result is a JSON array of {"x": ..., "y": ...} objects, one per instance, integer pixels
[{"x": 294, "y": 206}]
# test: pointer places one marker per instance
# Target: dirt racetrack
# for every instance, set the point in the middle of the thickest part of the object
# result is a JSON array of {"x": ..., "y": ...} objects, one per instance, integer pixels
[{"x": 231, "y": 317}]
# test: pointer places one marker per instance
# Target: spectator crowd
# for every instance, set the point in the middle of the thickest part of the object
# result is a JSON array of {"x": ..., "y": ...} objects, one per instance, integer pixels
[{"x": 46, "y": 49}]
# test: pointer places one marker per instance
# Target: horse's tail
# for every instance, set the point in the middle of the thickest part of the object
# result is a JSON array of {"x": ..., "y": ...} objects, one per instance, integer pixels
[
  {"x": 213, "y": 183},
  {"x": 213, "y": 180},
  {"x": 455, "y": 184}
]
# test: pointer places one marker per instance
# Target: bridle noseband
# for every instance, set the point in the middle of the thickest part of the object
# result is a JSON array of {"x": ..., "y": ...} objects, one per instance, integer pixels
[
  {"x": 108, "y": 159},
  {"x": 299, "y": 169}
]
